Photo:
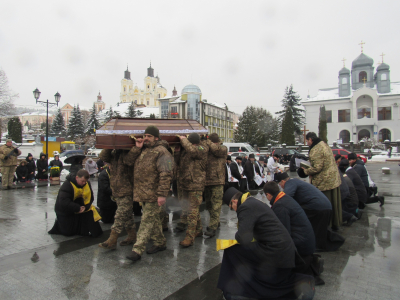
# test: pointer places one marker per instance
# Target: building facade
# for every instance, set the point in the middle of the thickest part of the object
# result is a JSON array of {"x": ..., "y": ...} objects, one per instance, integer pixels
[
  {"x": 35, "y": 118},
  {"x": 99, "y": 105},
  {"x": 190, "y": 105},
  {"x": 364, "y": 104},
  {"x": 149, "y": 95}
]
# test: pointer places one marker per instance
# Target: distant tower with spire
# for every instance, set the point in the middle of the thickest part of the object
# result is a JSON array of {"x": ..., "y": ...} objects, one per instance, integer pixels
[
  {"x": 174, "y": 92},
  {"x": 99, "y": 104}
]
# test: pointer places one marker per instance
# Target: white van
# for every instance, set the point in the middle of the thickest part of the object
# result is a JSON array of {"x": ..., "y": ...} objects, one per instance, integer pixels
[{"x": 240, "y": 147}]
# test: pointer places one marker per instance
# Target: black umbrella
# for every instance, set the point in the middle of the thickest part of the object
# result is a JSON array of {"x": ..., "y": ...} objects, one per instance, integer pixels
[{"x": 74, "y": 158}]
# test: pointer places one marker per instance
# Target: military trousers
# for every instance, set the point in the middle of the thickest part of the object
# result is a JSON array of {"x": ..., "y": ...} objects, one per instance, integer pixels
[
  {"x": 164, "y": 217},
  {"x": 193, "y": 199},
  {"x": 213, "y": 195},
  {"x": 7, "y": 175},
  {"x": 150, "y": 228},
  {"x": 123, "y": 216},
  {"x": 183, "y": 201}
]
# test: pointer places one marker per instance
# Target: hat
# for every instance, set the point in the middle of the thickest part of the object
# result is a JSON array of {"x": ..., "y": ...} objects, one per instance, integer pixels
[
  {"x": 278, "y": 177},
  {"x": 228, "y": 157},
  {"x": 251, "y": 155},
  {"x": 194, "y": 138},
  {"x": 214, "y": 137},
  {"x": 301, "y": 173},
  {"x": 352, "y": 156},
  {"x": 30, "y": 155},
  {"x": 337, "y": 156},
  {"x": 153, "y": 130},
  {"x": 229, "y": 194},
  {"x": 276, "y": 155},
  {"x": 239, "y": 157},
  {"x": 9, "y": 140},
  {"x": 344, "y": 162}
]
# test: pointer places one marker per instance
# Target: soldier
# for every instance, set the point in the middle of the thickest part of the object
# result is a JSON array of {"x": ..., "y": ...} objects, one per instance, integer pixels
[
  {"x": 153, "y": 173},
  {"x": 8, "y": 157},
  {"x": 215, "y": 180},
  {"x": 121, "y": 181},
  {"x": 191, "y": 162}
]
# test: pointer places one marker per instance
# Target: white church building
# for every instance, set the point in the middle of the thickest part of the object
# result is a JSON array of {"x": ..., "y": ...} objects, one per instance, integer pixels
[{"x": 364, "y": 104}]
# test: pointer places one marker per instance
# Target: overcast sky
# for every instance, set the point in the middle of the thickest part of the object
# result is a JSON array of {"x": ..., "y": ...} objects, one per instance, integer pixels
[{"x": 238, "y": 52}]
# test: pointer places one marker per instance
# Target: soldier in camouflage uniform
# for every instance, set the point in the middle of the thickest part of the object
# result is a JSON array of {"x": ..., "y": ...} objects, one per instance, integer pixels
[
  {"x": 121, "y": 181},
  {"x": 215, "y": 180},
  {"x": 8, "y": 163},
  {"x": 153, "y": 173},
  {"x": 191, "y": 175}
]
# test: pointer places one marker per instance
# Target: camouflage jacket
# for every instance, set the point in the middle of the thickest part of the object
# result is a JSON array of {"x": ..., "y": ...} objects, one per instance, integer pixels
[
  {"x": 191, "y": 162},
  {"x": 121, "y": 175},
  {"x": 12, "y": 159},
  {"x": 324, "y": 172},
  {"x": 215, "y": 174},
  {"x": 152, "y": 172}
]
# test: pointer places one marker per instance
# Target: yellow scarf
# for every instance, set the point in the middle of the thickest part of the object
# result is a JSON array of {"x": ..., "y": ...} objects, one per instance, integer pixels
[
  {"x": 223, "y": 244},
  {"x": 86, "y": 194}
]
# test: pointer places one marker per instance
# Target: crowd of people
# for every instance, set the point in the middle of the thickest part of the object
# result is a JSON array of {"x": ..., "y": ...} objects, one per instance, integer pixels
[{"x": 276, "y": 251}]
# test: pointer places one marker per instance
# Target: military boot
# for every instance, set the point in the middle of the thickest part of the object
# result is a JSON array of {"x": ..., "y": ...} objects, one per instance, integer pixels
[
  {"x": 130, "y": 239},
  {"x": 111, "y": 243},
  {"x": 180, "y": 227},
  {"x": 187, "y": 242}
]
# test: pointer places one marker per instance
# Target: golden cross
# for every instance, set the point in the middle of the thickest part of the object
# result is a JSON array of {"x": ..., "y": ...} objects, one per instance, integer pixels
[
  {"x": 343, "y": 60},
  {"x": 364, "y": 79},
  {"x": 382, "y": 56},
  {"x": 362, "y": 46}
]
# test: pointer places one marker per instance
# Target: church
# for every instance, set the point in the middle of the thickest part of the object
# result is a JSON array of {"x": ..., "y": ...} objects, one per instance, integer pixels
[
  {"x": 148, "y": 95},
  {"x": 365, "y": 103}
]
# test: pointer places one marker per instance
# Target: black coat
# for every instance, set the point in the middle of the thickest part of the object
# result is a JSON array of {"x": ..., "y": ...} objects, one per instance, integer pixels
[
  {"x": 352, "y": 198},
  {"x": 104, "y": 192},
  {"x": 235, "y": 171},
  {"x": 248, "y": 170},
  {"x": 274, "y": 245},
  {"x": 296, "y": 222},
  {"x": 359, "y": 167},
  {"x": 22, "y": 171},
  {"x": 344, "y": 188},
  {"x": 42, "y": 164},
  {"x": 31, "y": 166},
  {"x": 65, "y": 204},
  {"x": 57, "y": 163},
  {"x": 358, "y": 185},
  {"x": 243, "y": 161}
]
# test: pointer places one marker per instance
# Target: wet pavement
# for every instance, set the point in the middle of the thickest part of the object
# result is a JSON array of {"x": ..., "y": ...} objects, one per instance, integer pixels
[{"x": 366, "y": 267}]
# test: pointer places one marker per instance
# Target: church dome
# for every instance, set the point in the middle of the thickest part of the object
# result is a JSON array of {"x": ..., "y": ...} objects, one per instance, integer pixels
[
  {"x": 344, "y": 71},
  {"x": 191, "y": 89},
  {"x": 362, "y": 61},
  {"x": 382, "y": 66}
]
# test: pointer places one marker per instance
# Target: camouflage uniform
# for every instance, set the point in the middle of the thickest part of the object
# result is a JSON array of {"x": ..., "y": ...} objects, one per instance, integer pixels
[
  {"x": 153, "y": 173},
  {"x": 121, "y": 182},
  {"x": 215, "y": 180},
  {"x": 8, "y": 166},
  {"x": 191, "y": 162}
]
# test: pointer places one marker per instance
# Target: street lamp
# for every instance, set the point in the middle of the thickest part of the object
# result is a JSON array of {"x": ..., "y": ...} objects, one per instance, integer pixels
[{"x": 57, "y": 96}]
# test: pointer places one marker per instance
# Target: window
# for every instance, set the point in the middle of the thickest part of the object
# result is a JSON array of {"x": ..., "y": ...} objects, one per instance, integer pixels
[
  {"x": 362, "y": 77},
  {"x": 234, "y": 149},
  {"x": 148, "y": 102},
  {"x": 344, "y": 135},
  {"x": 344, "y": 80},
  {"x": 328, "y": 116},
  {"x": 384, "y": 134},
  {"x": 344, "y": 115},
  {"x": 159, "y": 96},
  {"x": 148, "y": 86},
  {"x": 335, "y": 152},
  {"x": 363, "y": 133},
  {"x": 363, "y": 113},
  {"x": 384, "y": 113},
  {"x": 174, "y": 109},
  {"x": 383, "y": 77}
]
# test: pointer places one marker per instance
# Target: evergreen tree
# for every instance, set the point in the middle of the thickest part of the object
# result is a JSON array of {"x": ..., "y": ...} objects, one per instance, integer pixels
[
  {"x": 117, "y": 115},
  {"x": 15, "y": 129},
  {"x": 75, "y": 124},
  {"x": 322, "y": 126},
  {"x": 109, "y": 114},
  {"x": 256, "y": 126},
  {"x": 58, "y": 126},
  {"x": 152, "y": 116},
  {"x": 7, "y": 100},
  {"x": 288, "y": 128},
  {"x": 93, "y": 123},
  {"x": 292, "y": 100}
]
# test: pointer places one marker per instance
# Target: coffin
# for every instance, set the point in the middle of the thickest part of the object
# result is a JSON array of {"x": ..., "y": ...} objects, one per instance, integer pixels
[{"x": 119, "y": 133}]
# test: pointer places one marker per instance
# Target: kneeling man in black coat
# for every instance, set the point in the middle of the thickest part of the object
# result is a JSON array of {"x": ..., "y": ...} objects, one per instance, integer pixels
[{"x": 261, "y": 265}]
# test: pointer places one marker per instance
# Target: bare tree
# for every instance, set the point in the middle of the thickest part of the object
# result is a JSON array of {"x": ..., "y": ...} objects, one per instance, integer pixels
[{"x": 7, "y": 100}]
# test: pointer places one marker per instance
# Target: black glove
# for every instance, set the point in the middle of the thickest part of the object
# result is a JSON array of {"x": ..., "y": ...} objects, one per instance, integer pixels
[
  {"x": 16, "y": 151},
  {"x": 5, "y": 158}
]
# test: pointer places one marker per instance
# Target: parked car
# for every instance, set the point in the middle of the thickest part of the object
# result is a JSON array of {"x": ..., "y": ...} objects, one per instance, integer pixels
[
  {"x": 240, "y": 147},
  {"x": 345, "y": 153},
  {"x": 94, "y": 153},
  {"x": 290, "y": 152},
  {"x": 242, "y": 154}
]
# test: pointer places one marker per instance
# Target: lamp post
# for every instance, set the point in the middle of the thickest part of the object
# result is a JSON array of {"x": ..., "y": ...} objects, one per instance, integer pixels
[{"x": 57, "y": 96}]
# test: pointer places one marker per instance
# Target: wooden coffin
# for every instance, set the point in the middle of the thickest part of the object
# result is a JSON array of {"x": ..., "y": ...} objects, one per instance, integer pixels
[{"x": 119, "y": 133}]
